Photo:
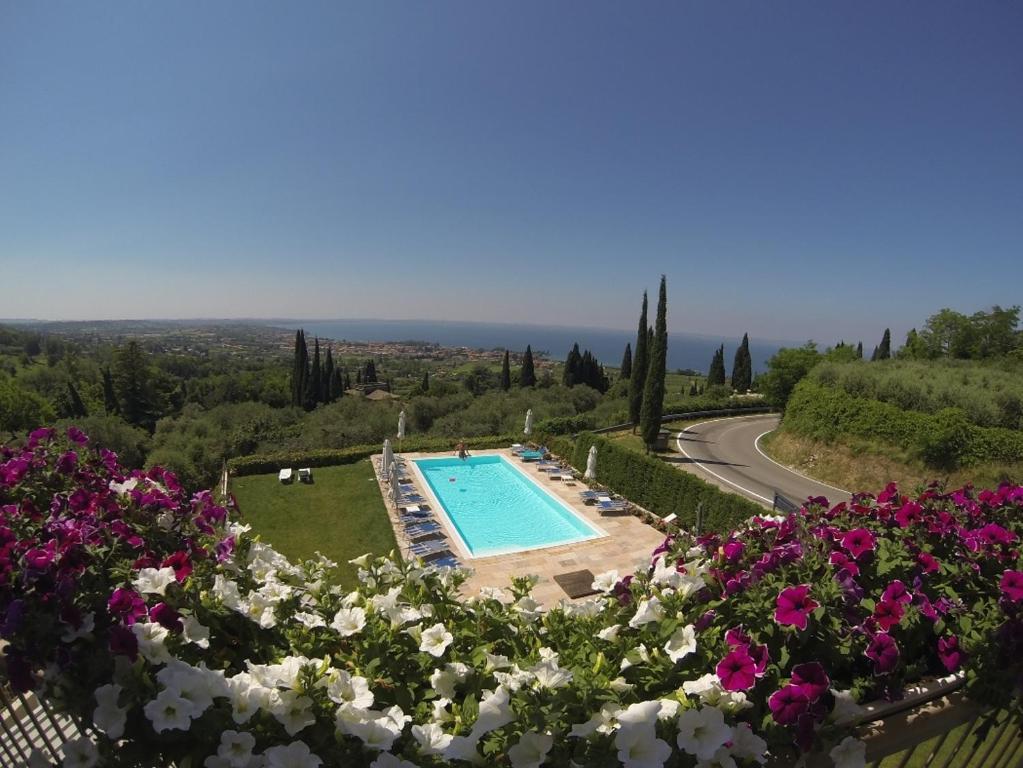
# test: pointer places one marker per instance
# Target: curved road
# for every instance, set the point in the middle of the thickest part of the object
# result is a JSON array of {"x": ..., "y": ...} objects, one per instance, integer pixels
[{"x": 725, "y": 452}]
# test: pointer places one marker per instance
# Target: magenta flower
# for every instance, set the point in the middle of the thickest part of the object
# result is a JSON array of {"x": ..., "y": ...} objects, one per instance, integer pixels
[
  {"x": 888, "y": 614},
  {"x": 126, "y": 605},
  {"x": 123, "y": 642},
  {"x": 167, "y": 617},
  {"x": 858, "y": 541},
  {"x": 180, "y": 563},
  {"x": 908, "y": 514},
  {"x": 794, "y": 606},
  {"x": 812, "y": 678},
  {"x": 39, "y": 559},
  {"x": 67, "y": 462},
  {"x": 950, "y": 653},
  {"x": 884, "y": 652},
  {"x": 737, "y": 671},
  {"x": 896, "y": 592},
  {"x": 75, "y": 435},
  {"x": 928, "y": 562},
  {"x": 787, "y": 704},
  {"x": 1012, "y": 585},
  {"x": 842, "y": 561}
]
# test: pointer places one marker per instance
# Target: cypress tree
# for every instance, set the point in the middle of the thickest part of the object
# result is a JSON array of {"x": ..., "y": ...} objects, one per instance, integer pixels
[
  {"x": 299, "y": 370},
  {"x": 873, "y": 356},
  {"x": 573, "y": 373},
  {"x": 626, "y": 370},
  {"x": 132, "y": 385},
  {"x": 506, "y": 372},
  {"x": 76, "y": 408},
  {"x": 336, "y": 386},
  {"x": 314, "y": 384},
  {"x": 328, "y": 378},
  {"x": 640, "y": 365},
  {"x": 425, "y": 386},
  {"x": 884, "y": 350},
  {"x": 358, "y": 375},
  {"x": 859, "y": 350},
  {"x": 693, "y": 391},
  {"x": 527, "y": 378},
  {"x": 653, "y": 390},
  {"x": 742, "y": 368},
  {"x": 110, "y": 404},
  {"x": 716, "y": 374},
  {"x": 369, "y": 375}
]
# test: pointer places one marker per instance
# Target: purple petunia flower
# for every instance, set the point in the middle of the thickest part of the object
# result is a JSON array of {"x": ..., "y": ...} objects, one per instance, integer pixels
[
  {"x": 884, "y": 652},
  {"x": 126, "y": 605},
  {"x": 928, "y": 562},
  {"x": 75, "y": 435},
  {"x": 1012, "y": 585},
  {"x": 812, "y": 678},
  {"x": 950, "y": 653},
  {"x": 858, "y": 542},
  {"x": 908, "y": 514},
  {"x": 787, "y": 704},
  {"x": 67, "y": 462},
  {"x": 896, "y": 592},
  {"x": 123, "y": 642},
  {"x": 166, "y": 616},
  {"x": 737, "y": 671},
  {"x": 794, "y": 606}
]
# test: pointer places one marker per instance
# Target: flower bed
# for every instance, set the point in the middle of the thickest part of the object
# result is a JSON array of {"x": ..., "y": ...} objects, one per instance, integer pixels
[{"x": 183, "y": 640}]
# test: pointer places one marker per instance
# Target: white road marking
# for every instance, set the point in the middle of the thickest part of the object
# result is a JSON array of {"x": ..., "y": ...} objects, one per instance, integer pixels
[
  {"x": 678, "y": 442},
  {"x": 756, "y": 444}
]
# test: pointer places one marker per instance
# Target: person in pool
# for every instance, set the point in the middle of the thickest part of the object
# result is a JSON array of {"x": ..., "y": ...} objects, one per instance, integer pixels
[{"x": 462, "y": 452}]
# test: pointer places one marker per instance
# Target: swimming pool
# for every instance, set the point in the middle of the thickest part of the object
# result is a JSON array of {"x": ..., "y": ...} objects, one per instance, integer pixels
[{"x": 496, "y": 510}]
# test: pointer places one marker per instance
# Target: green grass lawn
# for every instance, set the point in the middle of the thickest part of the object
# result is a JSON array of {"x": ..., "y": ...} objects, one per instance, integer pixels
[
  {"x": 626, "y": 439},
  {"x": 341, "y": 514}
]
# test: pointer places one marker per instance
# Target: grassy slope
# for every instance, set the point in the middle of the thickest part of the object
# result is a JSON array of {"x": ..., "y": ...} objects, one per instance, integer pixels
[
  {"x": 341, "y": 514},
  {"x": 858, "y": 464},
  {"x": 628, "y": 440}
]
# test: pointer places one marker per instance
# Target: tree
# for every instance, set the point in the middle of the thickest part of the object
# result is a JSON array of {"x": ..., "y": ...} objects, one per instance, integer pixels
[
  {"x": 527, "y": 378},
  {"x": 573, "y": 364},
  {"x": 884, "y": 349},
  {"x": 110, "y": 404},
  {"x": 859, "y": 351},
  {"x": 506, "y": 372},
  {"x": 76, "y": 408},
  {"x": 369, "y": 374},
  {"x": 336, "y": 388},
  {"x": 299, "y": 369},
  {"x": 716, "y": 375},
  {"x": 653, "y": 389},
  {"x": 133, "y": 385},
  {"x": 626, "y": 369},
  {"x": 21, "y": 409},
  {"x": 786, "y": 369},
  {"x": 742, "y": 368},
  {"x": 914, "y": 348},
  {"x": 328, "y": 378},
  {"x": 425, "y": 386},
  {"x": 640, "y": 365},
  {"x": 314, "y": 384},
  {"x": 693, "y": 391}
]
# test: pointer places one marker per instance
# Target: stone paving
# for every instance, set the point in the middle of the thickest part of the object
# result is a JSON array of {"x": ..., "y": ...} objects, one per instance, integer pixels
[{"x": 628, "y": 543}]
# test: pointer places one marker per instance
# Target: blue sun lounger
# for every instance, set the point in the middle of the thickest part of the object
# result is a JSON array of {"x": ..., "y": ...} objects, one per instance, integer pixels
[
  {"x": 423, "y": 549},
  {"x": 445, "y": 561},
  {"x": 612, "y": 506},
  {"x": 422, "y": 527}
]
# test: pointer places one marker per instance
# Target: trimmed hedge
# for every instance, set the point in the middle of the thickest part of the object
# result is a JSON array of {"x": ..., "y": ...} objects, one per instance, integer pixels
[
  {"x": 655, "y": 485},
  {"x": 328, "y": 457},
  {"x": 571, "y": 425},
  {"x": 944, "y": 439}
]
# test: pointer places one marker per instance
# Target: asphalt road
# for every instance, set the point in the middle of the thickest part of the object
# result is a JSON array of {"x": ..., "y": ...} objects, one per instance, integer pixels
[{"x": 725, "y": 452}]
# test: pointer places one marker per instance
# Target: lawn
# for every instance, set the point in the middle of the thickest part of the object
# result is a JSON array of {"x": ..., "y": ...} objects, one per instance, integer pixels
[
  {"x": 626, "y": 439},
  {"x": 340, "y": 514}
]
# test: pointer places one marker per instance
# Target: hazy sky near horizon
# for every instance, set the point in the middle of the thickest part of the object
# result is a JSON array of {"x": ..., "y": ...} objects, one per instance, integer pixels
[{"x": 799, "y": 169}]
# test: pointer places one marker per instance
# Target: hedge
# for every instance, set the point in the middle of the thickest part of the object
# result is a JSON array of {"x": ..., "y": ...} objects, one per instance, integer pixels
[
  {"x": 943, "y": 439},
  {"x": 570, "y": 425},
  {"x": 655, "y": 485},
  {"x": 327, "y": 457}
]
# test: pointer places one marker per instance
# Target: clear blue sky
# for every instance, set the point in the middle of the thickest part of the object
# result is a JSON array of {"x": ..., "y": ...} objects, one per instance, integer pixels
[{"x": 797, "y": 169}]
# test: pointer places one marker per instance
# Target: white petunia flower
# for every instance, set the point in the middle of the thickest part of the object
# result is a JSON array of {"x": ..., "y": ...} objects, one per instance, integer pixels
[
  {"x": 669, "y": 709},
  {"x": 647, "y": 611},
  {"x": 362, "y": 560},
  {"x": 639, "y": 747},
  {"x": 194, "y": 632},
  {"x": 496, "y": 661},
  {"x": 151, "y": 638},
  {"x": 345, "y": 688},
  {"x": 702, "y": 732},
  {"x": 494, "y": 711},
  {"x": 529, "y": 608},
  {"x": 531, "y": 750},
  {"x": 547, "y": 673},
  {"x": 620, "y": 685},
  {"x": 732, "y": 701},
  {"x": 605, "y": 582},
  {"x": 247, "y": 696},
  {"x": 387, "y": 760},
  {"x": 514, "y": 679},
  {"x": 746, "y": 745},
  {"x": 721, "y": 758},
  {"x": 108, "y": 716},
  {"x": 80, "y": 753},
  {"x": 236, "y": 748},
  {"x": 440, "y": 712},
  {"x": 292, "y": 710},
  {"x": 261, "y": 609},
  {"x": 492, "y": 593},
  {"x": 432, "y": 739},
  {"x": 189, "y": 683},
  {"x": 604, "y": 721},
  {"x": 226, "y": 591},
  {"x": 435, "y": 640},
  {"x": 168, "y": 712},
  {"x": 122, "y": 489},
  {"x": 349, "y": 621},
  {"x": 378, "y": 730},
  {"x": 850, "y": 753},
  {"x": 294, "y": 755},
  {"x": 445, "y": 680},
  {"x": 310, "y": 620},
  {"x": 708, "y": 688},
  {"x": 154, "y": 580},
  {"x": 666, "y": 574},
  {"x": 609, "y": 634},
  {"x": 681, "y": 643}
]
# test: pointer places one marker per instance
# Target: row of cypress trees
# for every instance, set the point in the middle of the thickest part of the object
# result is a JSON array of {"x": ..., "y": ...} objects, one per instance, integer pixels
[
  {"x": 584, "y": 368},
  {"x": 313, "y": 382},
  {"x": 645, "y": 368}
]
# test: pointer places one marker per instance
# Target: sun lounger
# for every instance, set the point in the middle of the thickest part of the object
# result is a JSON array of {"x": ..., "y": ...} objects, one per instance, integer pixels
[
  {"x": 612, "y": 506},
  {"x": 284, "y": 475},
  {"x": 425, "y": 537},
  {"x": 305, "y": 475},
  {"x": 592, "y": 495},
  {"x": 532, "y": 455},
  {"x": 429, "y": 548},
  {"x": 565, "y": 477},
  {"x": 444, "y": 561},
  {"x": 404, "y": 501},
  {"x": 423, "y": 527}
]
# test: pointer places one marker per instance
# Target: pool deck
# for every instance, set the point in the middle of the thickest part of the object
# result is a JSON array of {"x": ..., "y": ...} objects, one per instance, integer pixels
[{"x": 628, "y": 543}]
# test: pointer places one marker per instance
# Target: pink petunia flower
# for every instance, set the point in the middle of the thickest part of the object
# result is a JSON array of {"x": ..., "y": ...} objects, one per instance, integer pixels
[
  {"x": 929, "y": 562},
  {"x": 787, "y": 704},
  {"x": 950, "y": 653},
  {"x": 884, "y": 652},
  {"x": 737, "y": 671},
  {"x": 888, "y": 614},
  {"x": 896, "y": 592},
  {"x": 858, "y": 541},
  {"x": 794, "y": 606},
  {"x": 812, "y": 678},
  {"x": 1012, "y": 585}
]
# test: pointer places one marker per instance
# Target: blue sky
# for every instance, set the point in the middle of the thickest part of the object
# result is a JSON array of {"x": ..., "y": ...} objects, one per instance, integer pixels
[{"x": 798, "y": 169}]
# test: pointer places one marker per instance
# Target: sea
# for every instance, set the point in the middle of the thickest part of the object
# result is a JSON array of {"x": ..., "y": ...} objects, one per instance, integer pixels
[{"x": 685, "y": 351}]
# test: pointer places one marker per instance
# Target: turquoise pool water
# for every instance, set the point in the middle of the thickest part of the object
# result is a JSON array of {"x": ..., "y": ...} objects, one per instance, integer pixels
[{"x": 496, "y": 510}]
